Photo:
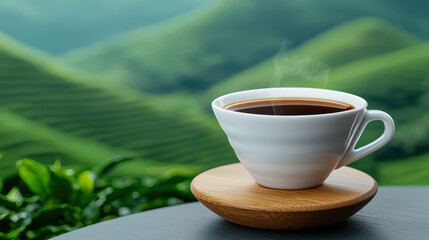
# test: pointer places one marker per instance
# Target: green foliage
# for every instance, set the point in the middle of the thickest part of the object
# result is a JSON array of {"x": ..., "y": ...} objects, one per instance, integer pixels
[{"x": 43, "y": 202}]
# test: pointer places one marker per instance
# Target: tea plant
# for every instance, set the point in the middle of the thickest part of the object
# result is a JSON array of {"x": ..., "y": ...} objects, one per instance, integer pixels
[{"x": 41, "y": 201}]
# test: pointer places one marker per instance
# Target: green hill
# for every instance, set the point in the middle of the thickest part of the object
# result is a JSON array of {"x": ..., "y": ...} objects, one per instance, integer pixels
[
  {"x": 120, "y": 120},
  {"x": 198, "y": 50},
  {"x": 339, "y": 45},
  {"x": 397, "y": 83}
]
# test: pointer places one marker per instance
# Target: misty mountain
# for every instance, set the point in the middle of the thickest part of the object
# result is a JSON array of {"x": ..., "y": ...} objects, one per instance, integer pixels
[
  {"x": 194, "y": 52},
  {"x": 59, "y": 26}
]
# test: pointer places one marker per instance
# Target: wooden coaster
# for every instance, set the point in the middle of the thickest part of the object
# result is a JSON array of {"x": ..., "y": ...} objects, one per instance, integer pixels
[{"x": 232, "y": 193}]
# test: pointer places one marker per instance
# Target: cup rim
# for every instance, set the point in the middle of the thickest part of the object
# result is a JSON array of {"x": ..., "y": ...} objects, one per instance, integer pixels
[{"x": 222, "y": 109}]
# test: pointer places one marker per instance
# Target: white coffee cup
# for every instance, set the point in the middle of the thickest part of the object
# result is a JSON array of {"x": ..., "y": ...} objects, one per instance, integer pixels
[{"x": 297, "y": 152}]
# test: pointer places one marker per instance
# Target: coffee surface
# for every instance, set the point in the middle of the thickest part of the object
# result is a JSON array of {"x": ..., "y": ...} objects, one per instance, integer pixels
[{"x": 289, "y": 106}]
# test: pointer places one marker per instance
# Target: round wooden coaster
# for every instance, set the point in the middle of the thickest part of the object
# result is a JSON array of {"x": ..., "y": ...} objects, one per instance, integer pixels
[{"x": 232, "y": 193}]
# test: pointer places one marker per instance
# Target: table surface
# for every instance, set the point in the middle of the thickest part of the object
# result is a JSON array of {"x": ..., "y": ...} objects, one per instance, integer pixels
[{"x": 394, "y": 213}]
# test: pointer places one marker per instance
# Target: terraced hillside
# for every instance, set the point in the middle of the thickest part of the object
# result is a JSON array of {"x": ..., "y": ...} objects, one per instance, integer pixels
[
  {"x": 193, "y": 52},
  {"x": 348, "y": 42},
  {"x": 397, "y": 83},
  {"x": 23, "y": 138},
  {"x": 45, "y": 93}
]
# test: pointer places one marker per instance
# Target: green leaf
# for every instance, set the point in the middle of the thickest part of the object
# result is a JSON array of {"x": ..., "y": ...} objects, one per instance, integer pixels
[
  {"x": 35, "y": 175},
  {"x": 11, "y": 235},
  {"x": 86, "y": 181},
  {"x": 15, "y": 196}
]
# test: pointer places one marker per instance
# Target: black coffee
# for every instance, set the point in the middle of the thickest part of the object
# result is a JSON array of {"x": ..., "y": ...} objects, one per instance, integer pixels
[{"x": 289, "y": 106}]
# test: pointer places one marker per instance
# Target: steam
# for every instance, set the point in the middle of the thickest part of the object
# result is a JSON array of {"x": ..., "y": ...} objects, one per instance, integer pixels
[{"x": 290, "y": 71}]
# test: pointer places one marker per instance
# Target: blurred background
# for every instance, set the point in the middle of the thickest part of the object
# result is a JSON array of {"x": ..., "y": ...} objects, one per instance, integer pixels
[{"x": 111, "y": 99}]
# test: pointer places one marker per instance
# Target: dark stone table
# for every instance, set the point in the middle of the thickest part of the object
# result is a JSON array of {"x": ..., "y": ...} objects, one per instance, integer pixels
[{"x": 394, "y": 213}]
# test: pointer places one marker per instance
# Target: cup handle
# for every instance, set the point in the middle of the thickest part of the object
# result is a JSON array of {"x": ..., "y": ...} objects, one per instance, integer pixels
[{"x": 353, "y": 154}]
